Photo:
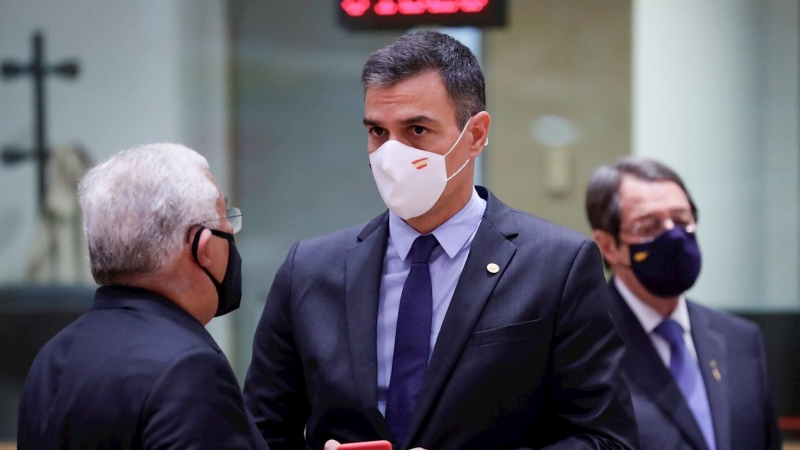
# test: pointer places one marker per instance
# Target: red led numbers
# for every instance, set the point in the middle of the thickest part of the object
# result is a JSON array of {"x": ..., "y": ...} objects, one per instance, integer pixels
[
  {"x": 357, "y": 8},
  {"x": 412, "y": 7},
  {"x": 473, "y": 6},
  {"x": 407, "y": 14},
  {"x": 385, "y": 8},
  {"x": 444, "y": 6}
]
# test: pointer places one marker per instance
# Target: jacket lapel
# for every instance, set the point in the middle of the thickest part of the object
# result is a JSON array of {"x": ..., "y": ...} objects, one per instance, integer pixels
[
  {"x": 363, "y": 270},
  {"x": 490, "y": 245},
  {"x": 644, "y": 368},
  {"x": 711, "y": 355}
]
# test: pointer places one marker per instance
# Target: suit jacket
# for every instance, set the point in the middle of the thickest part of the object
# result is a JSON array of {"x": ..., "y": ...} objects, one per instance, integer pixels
[
  {"x": 135, "y": 372},
  {"x": 738, "y": 390},
  {"x": 526, "y": 357}
]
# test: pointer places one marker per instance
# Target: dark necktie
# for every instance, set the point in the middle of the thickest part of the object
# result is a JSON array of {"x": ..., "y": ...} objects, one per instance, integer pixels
[
  {"x": 413, "y": 338},
  {"x": 689, "y": 378}
]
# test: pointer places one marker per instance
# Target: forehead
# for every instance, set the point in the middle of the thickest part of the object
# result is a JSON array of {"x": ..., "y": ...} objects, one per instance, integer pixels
[
  {"x": 423, "y": 94},
  {"x": 640, "y": 198}
]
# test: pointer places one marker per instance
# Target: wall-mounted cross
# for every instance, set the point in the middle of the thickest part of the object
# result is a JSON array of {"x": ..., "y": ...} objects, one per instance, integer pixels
[{"x": 38, "y": 70}]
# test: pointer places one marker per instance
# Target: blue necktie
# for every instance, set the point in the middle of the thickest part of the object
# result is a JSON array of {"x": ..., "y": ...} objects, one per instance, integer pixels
[
  {"x": 687, "y": 375},
  {"x": 412, "y": 340}
]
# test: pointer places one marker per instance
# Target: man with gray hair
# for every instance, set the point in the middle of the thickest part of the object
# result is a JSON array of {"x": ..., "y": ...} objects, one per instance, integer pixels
[
  {"x": 450, "y": 321},
  {"x": 698, "y": 377},
  {"x": 139, "y": 370}
]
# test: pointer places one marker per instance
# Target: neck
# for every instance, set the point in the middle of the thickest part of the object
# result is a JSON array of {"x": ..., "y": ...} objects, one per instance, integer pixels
[{"x": 665, "y": 306}]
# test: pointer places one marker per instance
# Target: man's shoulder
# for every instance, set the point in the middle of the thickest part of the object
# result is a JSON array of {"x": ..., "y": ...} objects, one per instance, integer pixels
[
  {"x": 61, "y": 341},
  {"x": 344, "y": 237},
  {"x": 534, "y": 228},
  {"x": 331, "y": 244},
  {"x": 336, "y": 243},
  {"x": 529, "y": 227},
  {"x": 136, "y": 335},
  {"x": 109, "y": 348},
  {"x": 724, "y": 321}
]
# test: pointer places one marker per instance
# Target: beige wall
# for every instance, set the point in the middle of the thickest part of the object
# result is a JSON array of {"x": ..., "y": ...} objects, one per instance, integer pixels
[{"x": 570, "y": 59}]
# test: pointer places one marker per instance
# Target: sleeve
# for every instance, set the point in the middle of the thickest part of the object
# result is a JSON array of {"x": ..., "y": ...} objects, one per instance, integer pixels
[
  {"x": 274, "y": 390},
  {"x": 196, "y": 404},
  {"x": 589, "y": 394}
]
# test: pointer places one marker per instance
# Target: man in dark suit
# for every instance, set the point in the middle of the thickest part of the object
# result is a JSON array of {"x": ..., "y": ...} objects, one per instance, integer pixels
[
  {"x": 139, "y": 370},
  {"x": 450, "y": 321},
  {"x": 697, "y": 376}
]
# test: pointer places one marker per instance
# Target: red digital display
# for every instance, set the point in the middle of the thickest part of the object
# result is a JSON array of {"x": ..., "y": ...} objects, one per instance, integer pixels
[{"x": 384, "y": 14}]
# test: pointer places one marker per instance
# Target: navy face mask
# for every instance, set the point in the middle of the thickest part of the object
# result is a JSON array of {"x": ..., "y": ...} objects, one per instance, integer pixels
[
  {"x": 229, "y": 291},
  {"x": 668, "y": 265}
]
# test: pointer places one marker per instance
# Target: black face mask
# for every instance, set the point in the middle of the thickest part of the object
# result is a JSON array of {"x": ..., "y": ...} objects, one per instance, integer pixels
[
  {"x": 669, "y": 265},
  {"x": 229, "y": 291}
]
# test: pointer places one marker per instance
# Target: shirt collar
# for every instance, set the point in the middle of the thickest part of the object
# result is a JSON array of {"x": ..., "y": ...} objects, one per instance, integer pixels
[
  {"x": 649, "y": 317},
  {"x": 452, "y": 235}
]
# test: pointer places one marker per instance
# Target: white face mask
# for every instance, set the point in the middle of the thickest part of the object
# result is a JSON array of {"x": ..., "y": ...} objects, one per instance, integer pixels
[{"x": 410, "y": 180}]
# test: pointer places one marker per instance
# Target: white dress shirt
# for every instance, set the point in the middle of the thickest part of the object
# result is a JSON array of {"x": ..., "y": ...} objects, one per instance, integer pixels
[{"x": 650, "y": 319}]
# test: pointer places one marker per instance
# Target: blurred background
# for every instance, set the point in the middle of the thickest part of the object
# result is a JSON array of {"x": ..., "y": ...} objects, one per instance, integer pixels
[{"x": 269, "y": 92}]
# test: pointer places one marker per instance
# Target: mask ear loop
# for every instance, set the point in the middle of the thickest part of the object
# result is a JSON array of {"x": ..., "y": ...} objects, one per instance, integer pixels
[
  {"x": 453, "y": 148},
  {"x": 459, "y": 138},
  {"x": 196, "y": 243},
  {"x": 459, "y": 170}
]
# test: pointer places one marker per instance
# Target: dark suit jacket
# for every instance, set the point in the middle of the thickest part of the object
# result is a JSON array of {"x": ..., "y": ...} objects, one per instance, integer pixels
[
  {"x": 740, "y": 400},
  {"x": 526, "y": 357},
  {"x": 135, "y": 372}
]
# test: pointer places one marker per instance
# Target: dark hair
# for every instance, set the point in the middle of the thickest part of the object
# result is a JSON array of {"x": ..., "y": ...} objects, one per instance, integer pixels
[
  {"x": 602, "y": 194},
  {"x": 430, "y": 51}
]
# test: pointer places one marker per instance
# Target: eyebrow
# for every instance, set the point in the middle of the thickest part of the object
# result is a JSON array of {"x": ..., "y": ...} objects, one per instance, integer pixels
[
  {"x": 405, "y": 122},
  {"x": 418, "y": 119},
  {"x": 670, "y": 211}
]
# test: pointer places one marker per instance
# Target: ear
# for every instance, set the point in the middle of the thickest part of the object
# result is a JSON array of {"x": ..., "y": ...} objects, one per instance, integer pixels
[
  {"x": 203, "y": 257},
  {"x": 479, "y": 132},
  {"x": 608, "y": 246}
]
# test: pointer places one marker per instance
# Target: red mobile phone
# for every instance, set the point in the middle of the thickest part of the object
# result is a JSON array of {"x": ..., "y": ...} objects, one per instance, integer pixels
[{"x": 369, "y": 445}]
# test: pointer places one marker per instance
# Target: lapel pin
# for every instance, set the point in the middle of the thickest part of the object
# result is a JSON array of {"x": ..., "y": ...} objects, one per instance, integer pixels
[
  {"x": 715, "y": 370},
  {"x": 493, "y": 268}
]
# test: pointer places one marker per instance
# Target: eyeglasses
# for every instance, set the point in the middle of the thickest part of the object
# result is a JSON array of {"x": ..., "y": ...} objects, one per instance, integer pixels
[
  {"x": 234, "y": 216},
  {"x": 647, "y": 229}
]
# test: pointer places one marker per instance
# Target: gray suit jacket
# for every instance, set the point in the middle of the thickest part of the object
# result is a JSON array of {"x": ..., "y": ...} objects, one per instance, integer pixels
[{"x": 526, "y": 357}]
